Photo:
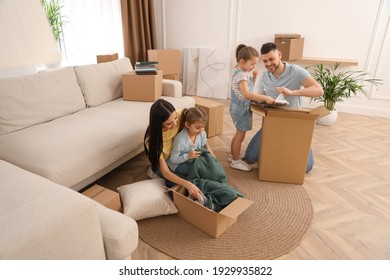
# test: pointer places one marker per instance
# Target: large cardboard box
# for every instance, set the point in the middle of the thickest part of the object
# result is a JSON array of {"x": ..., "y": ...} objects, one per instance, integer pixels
[
  {"x": 291, "y": 46},
  {"x": 285, "y": 143},
  {"x": 169, "y": 60},
  {"x": 106, "y": 57},
  {"x": 214, "y": 110},
  {"x": 205, "y": 219},
  {"x": 142, "y": 87},
  {"x": 104, "y": 196}
]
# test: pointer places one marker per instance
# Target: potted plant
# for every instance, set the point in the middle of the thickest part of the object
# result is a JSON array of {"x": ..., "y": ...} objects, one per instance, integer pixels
[
  {"x": 56, "y": 20},
  {"x": 339, "y": 85}
]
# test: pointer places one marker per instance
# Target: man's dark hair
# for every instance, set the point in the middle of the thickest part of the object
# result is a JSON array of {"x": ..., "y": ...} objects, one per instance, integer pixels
[{"x": 267, "y": 47}]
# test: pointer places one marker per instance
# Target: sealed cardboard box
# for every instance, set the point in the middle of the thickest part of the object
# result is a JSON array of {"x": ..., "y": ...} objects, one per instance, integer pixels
[
  {"x": 285, "y": 143},
  {"x": 169, "y": 60},
  {"x": 106, "y": 57},
  {"x": 205, "y": 219},
  {"x": 142, "y": 87},
  {"x": 214, "y": 110},
  {"x": 104, "y": 196},
  {"x": 291, "y": 46}
]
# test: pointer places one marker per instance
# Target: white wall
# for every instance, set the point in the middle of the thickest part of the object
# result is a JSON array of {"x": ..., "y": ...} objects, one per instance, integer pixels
[{"x": 344, "y": 29}]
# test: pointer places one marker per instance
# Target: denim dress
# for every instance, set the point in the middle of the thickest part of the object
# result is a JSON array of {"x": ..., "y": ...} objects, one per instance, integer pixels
[{"x": 240, "y": 107}]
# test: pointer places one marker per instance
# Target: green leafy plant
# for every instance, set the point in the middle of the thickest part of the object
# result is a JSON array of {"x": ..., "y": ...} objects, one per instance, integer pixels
[
  {"x": 56, "y": 20},
  {"x": 339, "y": 85}
]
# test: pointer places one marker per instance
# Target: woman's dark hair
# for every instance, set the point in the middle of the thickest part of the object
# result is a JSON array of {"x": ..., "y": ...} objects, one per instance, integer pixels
[{"x": 160, "y": 111}]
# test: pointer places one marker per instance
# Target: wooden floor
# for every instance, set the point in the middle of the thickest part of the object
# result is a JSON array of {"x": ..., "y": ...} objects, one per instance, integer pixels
[{"x": 349, "y": 188}]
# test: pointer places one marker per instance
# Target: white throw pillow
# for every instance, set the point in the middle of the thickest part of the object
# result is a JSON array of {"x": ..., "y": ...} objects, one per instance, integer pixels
[{"x": 146, "y": 199}]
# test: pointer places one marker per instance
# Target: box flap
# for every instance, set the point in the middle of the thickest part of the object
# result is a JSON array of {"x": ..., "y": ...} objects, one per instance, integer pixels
[
  {"x": 234, "y": 209},
  {"x": 288, "y": 35},
  {"x": 320, "y": 111}
]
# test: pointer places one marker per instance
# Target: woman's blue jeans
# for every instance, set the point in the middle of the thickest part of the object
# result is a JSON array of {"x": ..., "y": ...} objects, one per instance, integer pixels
[
  {"x": 182, "y": 171},
  {"x": 252, "y": 152}
]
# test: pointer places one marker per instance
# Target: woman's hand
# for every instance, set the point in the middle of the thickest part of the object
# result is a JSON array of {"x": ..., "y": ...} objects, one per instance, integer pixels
[
  {"x": 193, "y": 190},
  {"x": 194, "y": 154}
]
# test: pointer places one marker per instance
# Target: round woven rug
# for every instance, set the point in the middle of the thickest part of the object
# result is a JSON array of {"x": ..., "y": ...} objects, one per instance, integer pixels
[{"x": 272, "y": 226}]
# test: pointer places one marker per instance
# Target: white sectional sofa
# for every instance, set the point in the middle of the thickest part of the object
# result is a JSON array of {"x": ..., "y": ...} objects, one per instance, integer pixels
[{"x": 62, "y": 130}]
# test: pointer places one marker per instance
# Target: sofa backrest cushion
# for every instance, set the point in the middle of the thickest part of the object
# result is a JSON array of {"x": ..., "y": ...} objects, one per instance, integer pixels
[
  {"x": 102, "y": 82},
  {"x": 37, "y": 98}
]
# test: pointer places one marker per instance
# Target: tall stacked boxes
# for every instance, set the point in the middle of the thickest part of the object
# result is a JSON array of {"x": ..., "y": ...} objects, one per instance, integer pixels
[
  {"x": 291, "y": 45},
  {"x": 169, "y": 62},
  {"x": 214, "y": 110}
]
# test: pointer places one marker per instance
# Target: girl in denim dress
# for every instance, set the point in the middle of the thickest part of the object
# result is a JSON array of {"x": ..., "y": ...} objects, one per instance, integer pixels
[{"x": 242, "y": 92}]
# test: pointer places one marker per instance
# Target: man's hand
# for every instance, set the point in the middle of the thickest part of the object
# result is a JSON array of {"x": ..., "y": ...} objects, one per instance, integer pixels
[{"x": 284, "y": 90}]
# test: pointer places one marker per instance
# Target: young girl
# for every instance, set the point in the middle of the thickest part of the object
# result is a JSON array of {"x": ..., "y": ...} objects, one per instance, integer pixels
[
  {"x": 240, "y": 102},
  {"x": 189, "y": 140},
  {"x": 163, "y": 127}
]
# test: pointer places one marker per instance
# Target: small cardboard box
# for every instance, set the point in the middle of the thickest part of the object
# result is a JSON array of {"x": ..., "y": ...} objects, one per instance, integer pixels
[
  {"x": 214, "y": 110},
  {"x": 104, "y": 196},
  {"x": 169, "y": 61},
  {"x": 205, "y": 219},
  {"x": 285, "y": 143},
  {"x": 106, "y": 57},
  {"x": 291, "y": 46},
  {"x": 142, "y": 87}
]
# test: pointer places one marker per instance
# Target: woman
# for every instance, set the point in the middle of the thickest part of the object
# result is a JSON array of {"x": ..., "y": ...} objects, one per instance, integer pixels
[{"x": 164, "y": 123}]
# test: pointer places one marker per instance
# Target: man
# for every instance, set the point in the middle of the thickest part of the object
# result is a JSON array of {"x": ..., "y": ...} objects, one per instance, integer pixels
[{"x": 292, "y": 81}]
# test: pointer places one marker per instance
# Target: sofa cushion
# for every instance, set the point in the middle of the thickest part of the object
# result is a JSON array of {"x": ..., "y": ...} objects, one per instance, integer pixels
[
  {"x": 42, "y": 220},
  {"x": 38, "y": 98},
  {"x": 102, "y": 82},
  {"x": 146, "y": 199},
  {"x": 71, "y": 150}
]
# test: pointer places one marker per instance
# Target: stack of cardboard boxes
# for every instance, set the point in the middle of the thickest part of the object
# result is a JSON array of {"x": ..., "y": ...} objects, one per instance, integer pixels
[
  {"x": 169, "y": 62},
  {"x": 149, "y": 87}
]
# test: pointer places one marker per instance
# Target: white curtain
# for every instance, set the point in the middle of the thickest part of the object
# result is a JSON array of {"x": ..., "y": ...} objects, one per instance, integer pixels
[
  {"x": 93, "y": 27},
  {"x": 26, "y": 38}
]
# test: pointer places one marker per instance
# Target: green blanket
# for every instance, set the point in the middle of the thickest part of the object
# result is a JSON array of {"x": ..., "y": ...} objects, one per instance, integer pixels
[{"x": 207, "y": 173}]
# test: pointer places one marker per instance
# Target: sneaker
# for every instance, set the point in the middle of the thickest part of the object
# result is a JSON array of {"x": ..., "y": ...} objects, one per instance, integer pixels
[
  {"x": 241, "y": 165},
  {"x": 151, "y": 174},
  {"x": 229, "y": 159}
]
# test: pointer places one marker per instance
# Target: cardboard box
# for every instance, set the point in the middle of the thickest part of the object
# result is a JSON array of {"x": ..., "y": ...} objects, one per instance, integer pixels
[
  {"x": 214, "y": 110},
  {"x": 106, "y": 57},
  {"x": 285, "y": 143},
  {"x": 205, "y": 219},
  {"x": 291, "y": 46},
  {"x": 172, "y": 77},
  {"x": 104, "y": 196},
  {"x": 142, "y": 87},
  {"x": 169, "y": 61}
]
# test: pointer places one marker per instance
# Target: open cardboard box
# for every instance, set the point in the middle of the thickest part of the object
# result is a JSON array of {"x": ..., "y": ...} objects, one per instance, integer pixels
[
  {"x": 286, "y": 140},
  {"x": 202, "y": 217}
]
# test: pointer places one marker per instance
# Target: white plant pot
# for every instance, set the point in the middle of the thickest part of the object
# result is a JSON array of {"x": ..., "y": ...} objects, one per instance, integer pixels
[{"x": 328, "y": 119}]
